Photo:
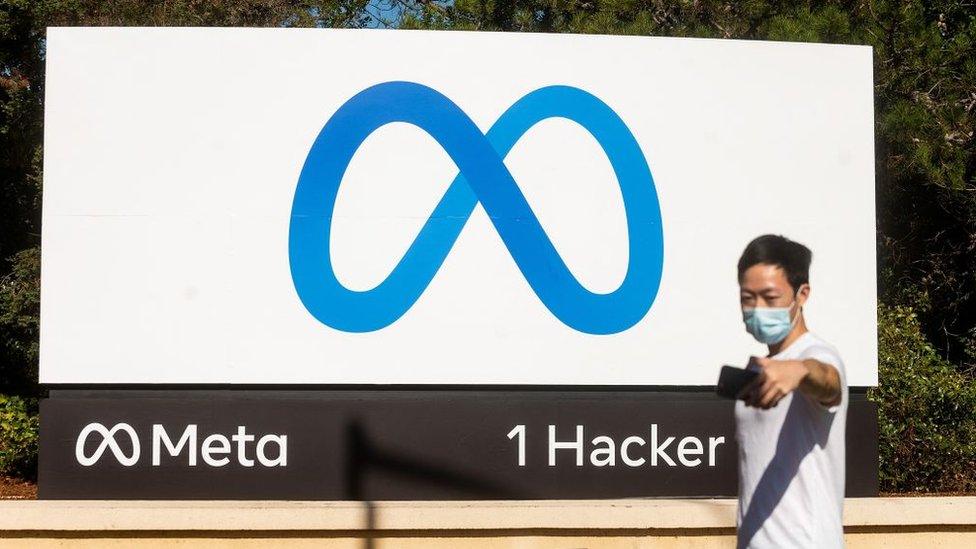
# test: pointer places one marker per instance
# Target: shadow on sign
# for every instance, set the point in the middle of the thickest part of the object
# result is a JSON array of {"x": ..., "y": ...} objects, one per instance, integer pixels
[{"x": 365, "y": 456}]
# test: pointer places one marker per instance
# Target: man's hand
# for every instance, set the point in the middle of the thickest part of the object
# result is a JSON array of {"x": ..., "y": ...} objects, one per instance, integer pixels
[
  {"x": 781, "y": 377},
  {"x": 777, "y": 379}
]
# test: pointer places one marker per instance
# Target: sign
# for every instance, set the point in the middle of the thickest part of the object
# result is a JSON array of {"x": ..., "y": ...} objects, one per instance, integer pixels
[
  {"x": 336, "y": 445},
  {"x": 271, "y": 206},
  {"x": 234, "y": 218}
]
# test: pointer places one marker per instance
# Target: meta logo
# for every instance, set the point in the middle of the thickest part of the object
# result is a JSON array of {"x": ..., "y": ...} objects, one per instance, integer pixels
[
  {"x": 214, "y": 450},
  {"x": 108, "y": 442},
  {"x": 482, "y": 178}
]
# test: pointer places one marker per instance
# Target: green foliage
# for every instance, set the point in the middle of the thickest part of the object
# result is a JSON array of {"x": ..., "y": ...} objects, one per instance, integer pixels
[
  {"x": 20, "y": 303},
  {"x": 18, "y": 436},
  {"x": 926, "y": 410}
]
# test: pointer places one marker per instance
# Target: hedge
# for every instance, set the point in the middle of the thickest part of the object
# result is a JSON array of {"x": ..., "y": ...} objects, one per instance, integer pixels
[
  {"x": 926, "y": 411},
  {"x": 18, "y": 437}
]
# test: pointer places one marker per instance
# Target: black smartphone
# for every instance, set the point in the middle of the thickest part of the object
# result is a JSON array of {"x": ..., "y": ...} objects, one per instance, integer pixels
[{"x": 732, "y": 382}]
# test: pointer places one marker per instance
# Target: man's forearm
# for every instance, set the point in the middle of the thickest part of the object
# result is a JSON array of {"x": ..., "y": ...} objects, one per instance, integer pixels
[{"x": 822, "y": 382}]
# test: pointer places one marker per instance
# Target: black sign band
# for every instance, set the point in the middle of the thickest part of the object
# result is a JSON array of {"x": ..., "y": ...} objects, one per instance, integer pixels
[{"x": 403, "y": 444}]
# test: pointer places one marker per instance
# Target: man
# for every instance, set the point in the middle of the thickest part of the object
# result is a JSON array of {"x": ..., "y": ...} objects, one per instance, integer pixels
[{"x": 790, "y": 427}]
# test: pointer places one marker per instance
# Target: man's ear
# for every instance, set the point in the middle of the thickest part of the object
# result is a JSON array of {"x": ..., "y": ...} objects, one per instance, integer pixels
[{"x": 803, "y": 294}]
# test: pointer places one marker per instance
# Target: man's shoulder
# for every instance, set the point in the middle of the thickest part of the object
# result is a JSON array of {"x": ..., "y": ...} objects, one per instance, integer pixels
[{"x": 813, "y": 343}]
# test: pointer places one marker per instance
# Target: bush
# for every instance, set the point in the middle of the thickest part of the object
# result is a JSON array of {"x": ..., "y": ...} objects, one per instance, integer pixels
[
  {"x": 18, "y": 437},
  {"x": 926, "y": 411},
  {"x": 20, "y": 305}
]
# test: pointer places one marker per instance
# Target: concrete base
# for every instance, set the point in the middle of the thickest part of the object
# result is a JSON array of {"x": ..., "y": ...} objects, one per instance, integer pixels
[{"x": 869, "y": 522}]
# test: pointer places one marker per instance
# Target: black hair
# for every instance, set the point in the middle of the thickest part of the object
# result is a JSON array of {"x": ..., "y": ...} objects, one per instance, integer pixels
[{"x": 772, "y": 249}]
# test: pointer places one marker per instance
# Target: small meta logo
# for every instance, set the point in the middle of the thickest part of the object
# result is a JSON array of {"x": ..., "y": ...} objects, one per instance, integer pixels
[
  {"x": 483, "y": 179},
  {"x": 108, "y": 442},
  {"x": 214, "y": 450}
]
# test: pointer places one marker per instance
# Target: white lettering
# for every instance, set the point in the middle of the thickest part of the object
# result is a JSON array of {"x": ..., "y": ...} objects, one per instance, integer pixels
[
  {"x": 208, "y": 448},
  {"x": 519, "y": 431},
  {"x": 242, "y": 438},
  {"x": 712, "y": 443},
  {"x": 282, "y": 442},
  {"x": 574, "y": 445},
  {"x": 609, "y": 452},
  {"x": 623, "y": 451},
  {"x": 683, "y": 451},
  {"x": 659, "y": 450},
  {"x": 189, "y": 439}
]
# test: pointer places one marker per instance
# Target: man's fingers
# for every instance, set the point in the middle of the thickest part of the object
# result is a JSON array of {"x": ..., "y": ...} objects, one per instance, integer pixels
[
  {"x": 770, "y": 397},
  {"x": 755, "y": 395},
  {"x": 755, "y": 390}
]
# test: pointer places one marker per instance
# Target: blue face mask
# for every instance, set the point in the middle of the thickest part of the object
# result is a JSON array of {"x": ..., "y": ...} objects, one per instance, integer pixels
[{"x": 769, "y": 325}]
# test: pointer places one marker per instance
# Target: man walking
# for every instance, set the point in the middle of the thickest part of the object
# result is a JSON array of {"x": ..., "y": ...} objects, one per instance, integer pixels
[{"x": 790, "y": 428}]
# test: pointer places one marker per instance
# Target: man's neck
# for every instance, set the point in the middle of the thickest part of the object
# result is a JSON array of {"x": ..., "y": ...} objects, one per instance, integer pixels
[{"x": 795, "y": 333}]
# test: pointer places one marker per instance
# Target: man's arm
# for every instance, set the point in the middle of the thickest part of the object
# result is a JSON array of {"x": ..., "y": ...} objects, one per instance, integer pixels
[
  {"x": 822, "y": 382},
  {"x": 819, "y": 380}
]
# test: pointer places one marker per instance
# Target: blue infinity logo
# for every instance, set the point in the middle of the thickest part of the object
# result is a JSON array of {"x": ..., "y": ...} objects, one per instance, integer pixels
[{"x": 482, "y": 178}]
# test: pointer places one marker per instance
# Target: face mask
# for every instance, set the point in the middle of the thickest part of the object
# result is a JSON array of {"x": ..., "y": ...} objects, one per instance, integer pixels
[{"x": 769, "y": 325}]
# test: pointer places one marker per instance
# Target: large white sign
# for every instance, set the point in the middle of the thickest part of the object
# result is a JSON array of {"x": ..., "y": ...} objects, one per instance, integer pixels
[{"x": 335, "y": 206}]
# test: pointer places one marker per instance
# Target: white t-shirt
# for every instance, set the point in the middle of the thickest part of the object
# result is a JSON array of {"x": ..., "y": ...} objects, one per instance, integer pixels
[{"x": 791, "y": 463}]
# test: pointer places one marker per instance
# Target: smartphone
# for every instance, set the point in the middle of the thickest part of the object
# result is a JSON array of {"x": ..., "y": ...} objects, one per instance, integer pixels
[{"x": 733, "y": 382}]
